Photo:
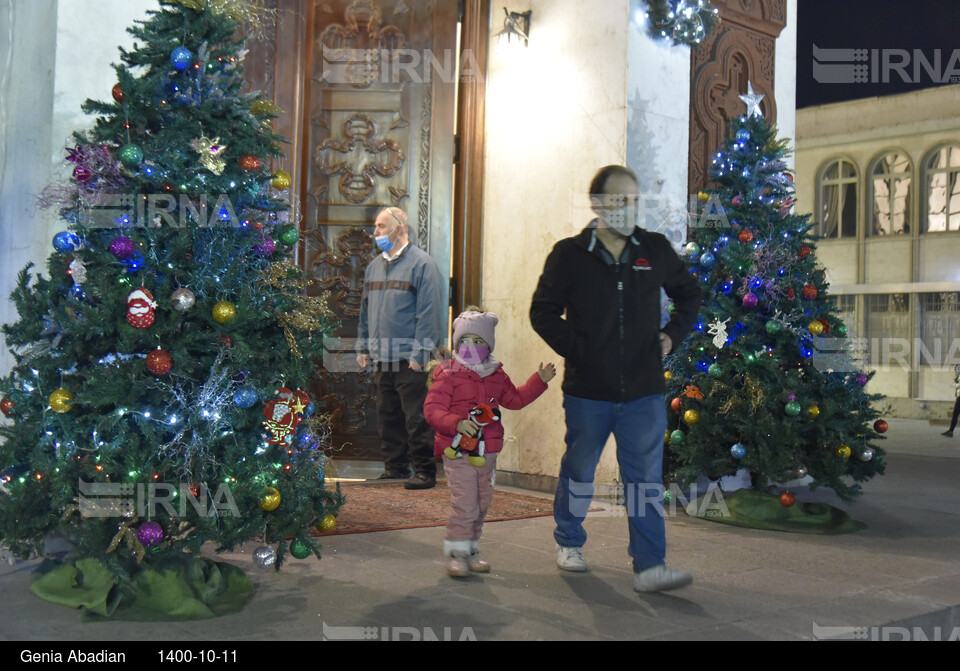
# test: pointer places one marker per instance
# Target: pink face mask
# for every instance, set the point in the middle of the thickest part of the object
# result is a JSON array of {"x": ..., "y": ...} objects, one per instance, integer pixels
[{"x": 474, "y": 354}]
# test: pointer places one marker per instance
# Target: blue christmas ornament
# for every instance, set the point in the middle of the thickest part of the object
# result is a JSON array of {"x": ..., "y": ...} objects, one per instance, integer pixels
[
  {"x": 309, "y": 410},
  {"x": 65, "y": 241},
  {"x": 181, "y": 58},
  {"x": 738, "y": 451},
  {"x": 246, "y": 397},
  {"x": 707, "y": 260},
  {"x": 743, "y": 135}
]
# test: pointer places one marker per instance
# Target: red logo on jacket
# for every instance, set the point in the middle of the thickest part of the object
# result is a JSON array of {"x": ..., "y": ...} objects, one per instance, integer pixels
[{"x": 642, "y": 264}]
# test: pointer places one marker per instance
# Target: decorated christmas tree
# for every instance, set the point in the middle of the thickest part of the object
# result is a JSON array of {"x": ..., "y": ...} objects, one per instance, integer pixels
[
  {"x": 765, "y": 383},
  {"x": 156, "y": 402}
]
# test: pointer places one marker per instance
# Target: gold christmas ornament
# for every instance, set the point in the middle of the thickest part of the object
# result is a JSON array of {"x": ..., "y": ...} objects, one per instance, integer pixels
[
  {"x": 815, "y": 327},
  {"x": 60, "y": 401},
  {"x": 211, "y": 152},
  {"x": 264, "y": 108},
  {"x": 309, "y": 313},
  {"x": 328, "y": 524},
  {"x": 691, "y": 417},
  {"x": 270, "y": 500},
  {"x": 844, "y": 451},
  {"x": 813, "y": 411},
  {"x": 281, "y": 180},
  {"x": 224, "y": 311}
]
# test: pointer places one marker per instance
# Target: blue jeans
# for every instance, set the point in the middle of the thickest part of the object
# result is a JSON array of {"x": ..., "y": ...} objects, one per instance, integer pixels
[{"x": 638, "y": 427}]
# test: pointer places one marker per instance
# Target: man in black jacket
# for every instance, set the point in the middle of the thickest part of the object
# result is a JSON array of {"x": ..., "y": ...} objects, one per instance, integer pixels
[{"x": 598, "y": 305}]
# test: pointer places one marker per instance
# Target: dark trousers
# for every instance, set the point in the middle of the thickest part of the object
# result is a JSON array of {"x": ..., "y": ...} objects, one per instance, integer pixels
[
  {"x": 956, "y": 414},
  {"x": 405, "y": 436}
]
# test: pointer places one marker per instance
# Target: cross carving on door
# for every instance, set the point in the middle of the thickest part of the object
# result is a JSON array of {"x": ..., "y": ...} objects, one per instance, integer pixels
[{"x": 359, "y": 158}]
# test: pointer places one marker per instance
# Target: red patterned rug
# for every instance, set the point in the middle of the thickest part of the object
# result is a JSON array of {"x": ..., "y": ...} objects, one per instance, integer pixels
[{"x": 387, "y": 507}]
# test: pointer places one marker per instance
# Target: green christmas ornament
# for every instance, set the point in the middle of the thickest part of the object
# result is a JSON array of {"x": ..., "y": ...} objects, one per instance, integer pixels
[
  {"x": 289, "y": 235},
  {"x": 840, "y": 330},
  {"x": 792, "y": 408},
  {"x": 299, "y": 549},
  {"x": 773, "y": 328},
  {"x": 131, "y": 155},
  {"x": 676, "y": 438},
  {"x": 715, "y": 371}
]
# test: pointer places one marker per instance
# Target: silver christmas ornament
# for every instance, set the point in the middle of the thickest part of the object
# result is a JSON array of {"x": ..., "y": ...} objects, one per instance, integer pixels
[
  {"x": 264, "y": 557},
  {"x": 183, "y": 300}
]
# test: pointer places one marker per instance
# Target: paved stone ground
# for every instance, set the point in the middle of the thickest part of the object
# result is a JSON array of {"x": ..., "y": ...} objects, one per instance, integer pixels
[{"x": 749, "y": 585}]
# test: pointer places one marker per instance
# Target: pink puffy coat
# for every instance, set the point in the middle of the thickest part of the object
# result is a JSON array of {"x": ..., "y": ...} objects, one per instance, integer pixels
[{"x": 456, "y": 390}]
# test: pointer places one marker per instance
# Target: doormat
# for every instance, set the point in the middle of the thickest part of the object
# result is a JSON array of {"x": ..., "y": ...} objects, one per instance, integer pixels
[{"x": 388, "y": 507}]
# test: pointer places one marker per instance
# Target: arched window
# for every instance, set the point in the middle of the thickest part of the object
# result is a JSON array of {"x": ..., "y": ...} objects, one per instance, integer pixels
[
  {"x": 941, "y": 169},
  {"x": 837, "y": 199},
  {"x": 888, "y": 193}
]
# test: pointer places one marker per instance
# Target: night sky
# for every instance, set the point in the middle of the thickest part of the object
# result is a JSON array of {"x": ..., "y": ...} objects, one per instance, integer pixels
[{"x": 882, "y": 25}]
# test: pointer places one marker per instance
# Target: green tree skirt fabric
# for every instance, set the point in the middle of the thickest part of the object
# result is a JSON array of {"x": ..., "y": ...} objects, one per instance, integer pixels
[
  {"x": 178, "y": 588},
  {"x": 760, "y": 510}
]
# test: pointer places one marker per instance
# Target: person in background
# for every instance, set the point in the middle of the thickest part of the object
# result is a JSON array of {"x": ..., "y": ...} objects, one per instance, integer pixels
[{"x": 400, "y": 322}]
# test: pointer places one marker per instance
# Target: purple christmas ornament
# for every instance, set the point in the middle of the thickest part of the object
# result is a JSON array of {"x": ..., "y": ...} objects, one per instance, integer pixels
[
  {"x": 265, "y": 247},
  {"x": 862, "y": 380},
  {"x": 122, "y": 247},
  {"x": 750, "y": 301},
  {"x": 150, "y": 534}
]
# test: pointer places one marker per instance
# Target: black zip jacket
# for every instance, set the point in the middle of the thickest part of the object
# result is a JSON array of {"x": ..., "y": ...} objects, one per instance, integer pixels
[{"x": 610, "y": 335}]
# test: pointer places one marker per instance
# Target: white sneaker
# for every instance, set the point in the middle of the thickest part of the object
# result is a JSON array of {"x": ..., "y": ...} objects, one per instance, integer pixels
[
  {"x": 570, "y": 559},
  {"x": 660, "y": 579}
]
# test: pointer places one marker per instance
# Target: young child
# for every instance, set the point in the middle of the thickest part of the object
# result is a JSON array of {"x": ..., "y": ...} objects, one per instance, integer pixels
[{"x": 470, "y": 378}]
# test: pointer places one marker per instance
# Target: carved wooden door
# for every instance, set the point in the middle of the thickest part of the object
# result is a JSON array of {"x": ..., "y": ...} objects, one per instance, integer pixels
[{"x": 377, "y": 130}]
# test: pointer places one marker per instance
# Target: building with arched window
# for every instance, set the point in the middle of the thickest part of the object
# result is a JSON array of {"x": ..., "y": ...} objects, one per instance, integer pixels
[{"x": 880, "y": 180}]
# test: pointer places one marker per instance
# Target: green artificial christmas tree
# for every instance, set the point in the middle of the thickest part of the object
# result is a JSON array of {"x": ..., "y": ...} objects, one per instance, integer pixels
[
  {"x": 156, "y": 403},
  {"x": 765, "y": 383}
]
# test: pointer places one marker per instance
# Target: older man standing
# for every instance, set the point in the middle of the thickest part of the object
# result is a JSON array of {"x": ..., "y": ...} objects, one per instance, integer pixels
[{"x": 400, "y": 322}]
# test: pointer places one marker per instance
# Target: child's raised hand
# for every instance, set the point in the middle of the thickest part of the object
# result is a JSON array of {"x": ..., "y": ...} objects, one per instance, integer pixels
[{"x": 547, "y": 372}]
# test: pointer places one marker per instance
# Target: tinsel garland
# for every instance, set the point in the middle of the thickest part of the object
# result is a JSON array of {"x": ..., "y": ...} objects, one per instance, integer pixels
[
  {"x": 684, "y": 21},
  {"x": 254, "y": 14}
]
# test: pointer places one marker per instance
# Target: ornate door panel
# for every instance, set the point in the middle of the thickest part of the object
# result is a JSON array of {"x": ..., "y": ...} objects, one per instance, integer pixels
[
  {"x": 377, "y": 130},
  {"x": 741, "y": 49}
]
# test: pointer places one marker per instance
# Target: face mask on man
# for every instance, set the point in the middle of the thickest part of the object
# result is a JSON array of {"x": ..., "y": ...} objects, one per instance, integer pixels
[{"x": 621, "y": 220}]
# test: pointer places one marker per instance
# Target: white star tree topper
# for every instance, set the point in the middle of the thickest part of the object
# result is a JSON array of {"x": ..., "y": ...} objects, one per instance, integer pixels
[{"x": 752, "y": 101}]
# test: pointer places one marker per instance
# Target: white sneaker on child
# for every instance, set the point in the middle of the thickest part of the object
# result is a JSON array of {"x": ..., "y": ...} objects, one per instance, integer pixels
[
  {"x": 458, "y": 558},
  {"x": 476, "y": 561}
]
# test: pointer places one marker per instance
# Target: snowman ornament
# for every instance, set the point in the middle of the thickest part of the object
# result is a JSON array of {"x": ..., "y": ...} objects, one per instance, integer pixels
[{"x": 141, "y": 308}]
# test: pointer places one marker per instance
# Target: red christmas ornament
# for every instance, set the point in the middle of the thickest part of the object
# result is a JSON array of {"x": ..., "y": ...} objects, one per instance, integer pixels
[
  {"x": 117, "y": 93},
  {"x": 790, "y": 294},
  {"x": 736, "y": 201},
  {"x": 227, "y": 340},
  {"x": 787, "y": 499},
  {"x": 284, "y": 414},
  {"x": 6, "y": 406},
  {"x": 249, "y": 163},
  {"x": 159, "y": 362},
  {"x": 826, "y": 326},
  {"x": 141, "y": 308},
  {"x": 746, "y": 237},
  {"x": 676, "y": 404},
  {"x": 809, "y": 292},
  {"x": 880, "y": 426},
  {"x": 805, "y": 251}
]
